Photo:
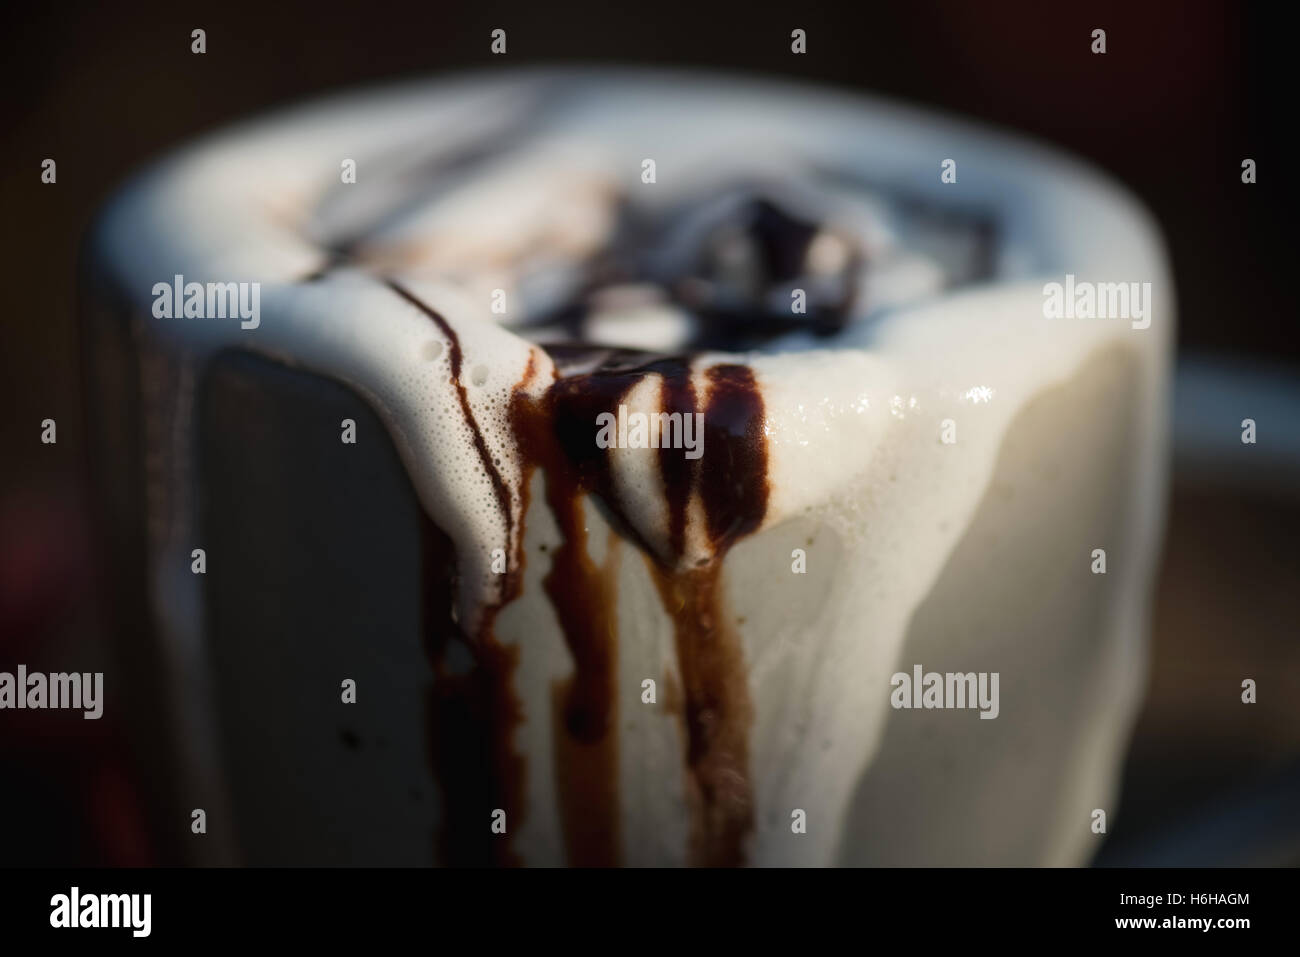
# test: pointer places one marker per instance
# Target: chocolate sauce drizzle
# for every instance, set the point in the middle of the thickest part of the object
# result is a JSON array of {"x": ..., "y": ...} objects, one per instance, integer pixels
[
  {"x": 730, "y": 478},
  {"x": 584, "y": 598},
  {"x": 474, "y": 710},
  {"x": 472, "y": 715},
  {"x": 731, "y": 311},
  {"x": 457, "y": 358}
]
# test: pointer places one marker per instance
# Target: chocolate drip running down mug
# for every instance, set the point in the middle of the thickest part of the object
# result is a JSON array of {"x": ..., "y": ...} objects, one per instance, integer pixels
[{"x": 630, "y": 467}]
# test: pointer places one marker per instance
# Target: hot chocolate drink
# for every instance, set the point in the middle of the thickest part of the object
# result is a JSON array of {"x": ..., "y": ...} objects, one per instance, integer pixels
[{"x": 720, "y": 400}]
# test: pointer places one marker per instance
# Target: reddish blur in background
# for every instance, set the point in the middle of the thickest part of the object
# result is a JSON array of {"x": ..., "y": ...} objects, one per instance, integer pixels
[{"x": 1183, "y": 94}]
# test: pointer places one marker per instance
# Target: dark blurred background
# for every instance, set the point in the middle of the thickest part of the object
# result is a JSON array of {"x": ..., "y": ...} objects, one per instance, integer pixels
[{"x": 1184, "y": 93}]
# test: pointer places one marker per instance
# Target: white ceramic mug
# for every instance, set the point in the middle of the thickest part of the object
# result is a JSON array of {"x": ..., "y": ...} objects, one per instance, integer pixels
[{"x": 948, "y": 467}]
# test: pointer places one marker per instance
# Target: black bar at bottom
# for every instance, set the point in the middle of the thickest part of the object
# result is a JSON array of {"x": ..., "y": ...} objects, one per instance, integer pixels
[{"x": 334, "y": 906}]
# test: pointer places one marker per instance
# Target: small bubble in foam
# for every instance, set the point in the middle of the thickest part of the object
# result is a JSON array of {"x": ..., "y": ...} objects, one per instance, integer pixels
[
  {"x": 479, "y": 375},
  {"x": 433, "y": 349}
]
